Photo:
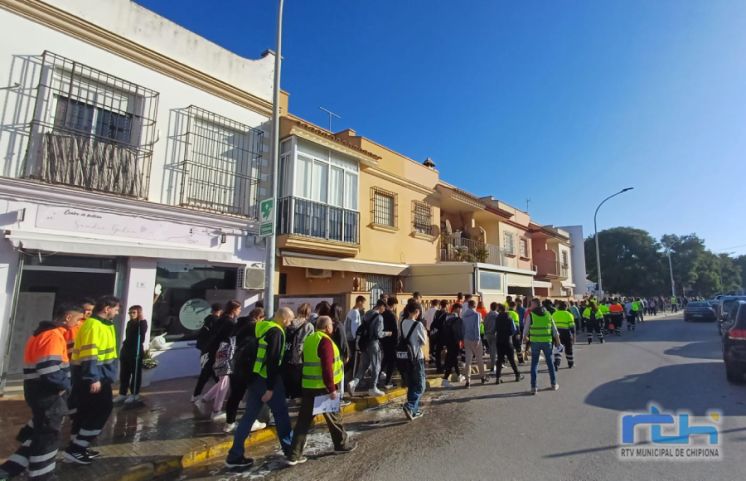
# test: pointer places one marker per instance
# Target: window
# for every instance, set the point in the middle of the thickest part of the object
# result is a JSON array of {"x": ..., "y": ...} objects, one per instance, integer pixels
[
  {"x": 422, "y": 218},
  {"x": 350, "y": 191},
  {"x": 565, "y": 261},
  {"x": 384, "y": 207},
  {"x": 92, "y": 130},
  {"x": 524, "y": 248},
  {"x": 508, "y": 243},
  {"x": 321, "y": 177},
  {"x": 221, "y": 166},
  {"x": 491, "y": 281}
]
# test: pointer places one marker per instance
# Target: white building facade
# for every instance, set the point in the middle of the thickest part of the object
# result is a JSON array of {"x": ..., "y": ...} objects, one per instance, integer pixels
[
  {"x": 579, "y": 274},
  {"x": 133, "y": 154}
]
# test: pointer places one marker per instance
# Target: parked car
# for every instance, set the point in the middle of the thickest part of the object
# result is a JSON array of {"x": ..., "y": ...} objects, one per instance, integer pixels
[
  {"x": 726, "y": 306},
  {"x": 699, "y": 311},
  {"x": 734, "y": 344}
]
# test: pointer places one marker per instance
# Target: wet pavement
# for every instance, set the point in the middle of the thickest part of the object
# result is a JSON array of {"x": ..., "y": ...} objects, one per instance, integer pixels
[{"x": 501, "y": 432}]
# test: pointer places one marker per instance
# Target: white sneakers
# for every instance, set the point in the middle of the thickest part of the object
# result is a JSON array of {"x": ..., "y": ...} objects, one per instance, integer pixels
[
  {"x": 257, "y": 426},
  {"x": 353, "y": 385},
  {"x": 555, "y": 387},
  {"x": 218, "y": 416},
  {"x": 120, "y": 398},
  {"x": 132, "y": 398},
  {"x": 229, "y": 427},
  {"x": 461, "y": 378},
  {"x": 196, "y": 398},
  {"x": 375, "y": 392}
]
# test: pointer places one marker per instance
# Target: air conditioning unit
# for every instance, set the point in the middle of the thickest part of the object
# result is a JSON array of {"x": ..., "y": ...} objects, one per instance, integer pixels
[
  {"x": 318, "y": 273},
  {"x": 250, "y": 277}
]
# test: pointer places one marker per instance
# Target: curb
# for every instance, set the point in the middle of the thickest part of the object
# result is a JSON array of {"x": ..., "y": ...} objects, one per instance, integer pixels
[{"x": 148, "y": 471}]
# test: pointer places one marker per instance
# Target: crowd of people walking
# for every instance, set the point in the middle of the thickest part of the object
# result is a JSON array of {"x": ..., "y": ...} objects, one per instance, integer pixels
[{"x": 72, "y": 362}]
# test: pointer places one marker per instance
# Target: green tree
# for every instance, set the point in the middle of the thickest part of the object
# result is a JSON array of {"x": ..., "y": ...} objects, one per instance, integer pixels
[{"x": 630, "y": 261}]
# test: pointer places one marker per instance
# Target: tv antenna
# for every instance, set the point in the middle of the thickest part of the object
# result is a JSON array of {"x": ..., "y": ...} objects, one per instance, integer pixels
[{"x": 331, "y": 114}]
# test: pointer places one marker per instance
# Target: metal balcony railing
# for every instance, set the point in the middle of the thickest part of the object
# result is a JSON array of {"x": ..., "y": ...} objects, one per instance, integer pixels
[
  {"x": 556, "y": 269},
  {"x": 454, "y": 248},
  {"x": 314, "y": 219}
]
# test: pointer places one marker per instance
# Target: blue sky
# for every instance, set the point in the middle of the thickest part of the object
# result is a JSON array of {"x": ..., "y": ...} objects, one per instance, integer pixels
[{"x": 562, "y": 102}]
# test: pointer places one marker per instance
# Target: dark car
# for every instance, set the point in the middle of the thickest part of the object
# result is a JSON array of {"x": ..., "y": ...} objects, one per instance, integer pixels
[
  {"x": 699, "y": 311},
  {"x": 734, "y": 344},
  {"x": 726, "y": 306}
]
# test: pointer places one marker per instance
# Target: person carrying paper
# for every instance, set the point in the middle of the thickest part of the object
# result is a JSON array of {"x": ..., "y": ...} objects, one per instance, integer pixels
[{"x": 322, "y": 373}]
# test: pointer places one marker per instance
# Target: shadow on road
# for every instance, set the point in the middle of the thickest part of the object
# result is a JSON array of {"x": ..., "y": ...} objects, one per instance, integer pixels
[
  {"x": 674, "y": 387},
  {"x": 698, "y": 350}
]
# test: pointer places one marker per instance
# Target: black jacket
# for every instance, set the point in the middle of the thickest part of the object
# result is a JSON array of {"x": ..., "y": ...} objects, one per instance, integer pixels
[{"x": 504, "y": 329}]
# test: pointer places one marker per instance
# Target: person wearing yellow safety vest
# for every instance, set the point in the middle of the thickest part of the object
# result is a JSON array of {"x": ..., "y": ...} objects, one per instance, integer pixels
[
  {"x": 266, "y": 387},
  {"x": 322, "y": 372},
  {"x": 603, "y": 306},
  {"x": 565, "y": 322},
  {"x": 516, "y": 318},
  {"x": 594, "y": 320},
  {"x": 541, "y": 330},
  {"x": 94, "y": 369},
  {"x": 635, "y": 313}
]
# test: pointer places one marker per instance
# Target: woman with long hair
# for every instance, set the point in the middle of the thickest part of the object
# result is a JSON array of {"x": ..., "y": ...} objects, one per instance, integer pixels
[{"x": 131, "y": 356}]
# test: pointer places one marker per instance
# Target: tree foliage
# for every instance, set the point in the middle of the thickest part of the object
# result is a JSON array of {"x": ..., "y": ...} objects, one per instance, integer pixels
[{"x": 633, "y": 262}]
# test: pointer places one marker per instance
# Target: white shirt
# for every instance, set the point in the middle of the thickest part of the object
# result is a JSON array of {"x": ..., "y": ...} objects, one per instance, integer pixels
[{"x": 430, "y": 316}]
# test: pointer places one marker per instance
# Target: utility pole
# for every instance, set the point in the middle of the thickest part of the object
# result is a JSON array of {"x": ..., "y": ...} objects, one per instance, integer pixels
[
  {"x": 670, "y": 269},
  {"x": 269, "y": 273}
]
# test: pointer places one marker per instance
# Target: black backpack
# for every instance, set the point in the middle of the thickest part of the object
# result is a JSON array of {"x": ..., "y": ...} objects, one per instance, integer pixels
[
  {"x": 244, "y": 357},
  {"x": 363, "y": 332},
  {"x": 405, "y": 355},
  {"x": 294, "y": 345}
]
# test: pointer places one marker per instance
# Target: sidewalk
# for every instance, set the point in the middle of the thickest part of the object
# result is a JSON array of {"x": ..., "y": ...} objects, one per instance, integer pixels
[{"x": 156, "y": 439}]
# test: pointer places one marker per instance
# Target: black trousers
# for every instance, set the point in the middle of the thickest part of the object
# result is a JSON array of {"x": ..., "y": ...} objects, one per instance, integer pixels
[
  {"x": 566, "y": 338},
  {"x": 130, "y": 374},
  {"x": 305, "y": 419},
  {"x": 505, "y": 350},
  {"x": 93, "y": 412},
  {"x": 438, "y": 348},
  {"x": 39, "y": 439},
  {"x": 205, "y": 375},
  {"x": 239, "y": 384},
  {"x": 388, "y": 364},
  {"x": 452, "y": 354},
  {"x": 631, "y": 321},
  {"x": 292, "y": 375},
  {"x": 593, "y": 326}
]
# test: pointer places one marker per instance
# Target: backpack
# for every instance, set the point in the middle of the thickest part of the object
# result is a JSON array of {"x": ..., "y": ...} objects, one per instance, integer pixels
[
  {"x": 405, "y": 355},
  {"x": 363, "y": 332},
  {"x": 205, "y": 334},
  {"x": 223, "y": 356},
  {"x": 245, "y": 356},
  {"x": 294, "y": 345}
]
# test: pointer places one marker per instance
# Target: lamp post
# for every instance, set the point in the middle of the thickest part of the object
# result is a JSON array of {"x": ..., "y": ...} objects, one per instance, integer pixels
[
  {"x": 269, "y": 265},
  {"x": 595, "y": 229},
  {"x": 670, "y": 270}
]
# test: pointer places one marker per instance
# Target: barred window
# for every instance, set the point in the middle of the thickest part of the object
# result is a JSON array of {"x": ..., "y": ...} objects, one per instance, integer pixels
[
  {"x": 384, "y": 207},
  {"x": 524, "y": 248},
  {"x": 422, "y": 217},
  {"x": 565, "y": 261},
  {"x": 221, "y": 168},
  {"x": 508, "y": 243}
]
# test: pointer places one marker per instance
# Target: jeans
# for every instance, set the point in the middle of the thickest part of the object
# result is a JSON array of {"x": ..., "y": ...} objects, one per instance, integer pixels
[
  {"x": 415, "y": 385},
  {"x": 279, "y": 407},
  {"x": 546, "y": 348}
]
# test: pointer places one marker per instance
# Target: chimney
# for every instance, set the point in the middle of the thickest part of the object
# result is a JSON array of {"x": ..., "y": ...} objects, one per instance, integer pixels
[{"x": 429, "y": 163}]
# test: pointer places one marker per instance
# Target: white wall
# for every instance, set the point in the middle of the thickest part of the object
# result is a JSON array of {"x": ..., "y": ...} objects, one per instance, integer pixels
[
  {"x": 24, "y": 41},
  {"x": 577, "y": 240}
]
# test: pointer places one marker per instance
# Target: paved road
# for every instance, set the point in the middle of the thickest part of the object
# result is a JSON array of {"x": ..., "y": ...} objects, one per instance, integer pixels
[{"x": 499, "y": 432}]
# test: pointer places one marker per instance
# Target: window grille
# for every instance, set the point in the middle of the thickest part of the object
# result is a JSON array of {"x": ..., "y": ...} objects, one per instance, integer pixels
[
  {"x": 422, "y": 217},
  {"x": 91, "y": 129},
  {"x": 508, "y": 242},
  {"x": 222, "y": 165},
  {"x": 383, "y": 207},
  {"x": 524, "y": 248}
]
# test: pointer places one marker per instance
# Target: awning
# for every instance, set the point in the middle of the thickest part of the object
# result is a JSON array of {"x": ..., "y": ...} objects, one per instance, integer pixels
[
  {"x": 517, "y": 280},
  {"x": 546, "y": 284},
  {"x": 106, "y": 247},
  {"x": 347, "y": 265},
  {"x": 567, "y": 284}
]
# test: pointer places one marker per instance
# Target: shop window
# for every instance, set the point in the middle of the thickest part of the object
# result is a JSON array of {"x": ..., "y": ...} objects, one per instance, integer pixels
[
  {"x": 187, "y": 291},
  {"x": 490, "y": 281}
]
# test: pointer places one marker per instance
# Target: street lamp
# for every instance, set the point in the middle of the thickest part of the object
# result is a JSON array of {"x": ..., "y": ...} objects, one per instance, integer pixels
[
  {"x": 269, "y": 265},
  {"x": 670, "y": 270},
  {"x": 595, "y": 229}
]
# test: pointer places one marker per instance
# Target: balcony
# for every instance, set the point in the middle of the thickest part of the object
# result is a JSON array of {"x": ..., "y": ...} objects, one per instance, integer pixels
[
  {"x": 555, "y": 270},
  {"x": 94, "y": 164},
  {"x": 454, "y": 248},
  {"x": 315, "y": 220}
]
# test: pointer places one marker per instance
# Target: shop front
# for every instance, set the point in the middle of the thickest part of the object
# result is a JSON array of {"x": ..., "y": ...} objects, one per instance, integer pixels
[{"x": 172, "y": 262}]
